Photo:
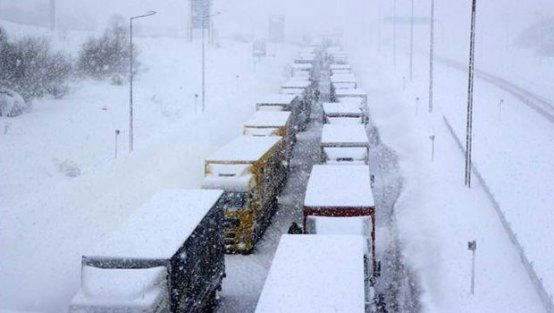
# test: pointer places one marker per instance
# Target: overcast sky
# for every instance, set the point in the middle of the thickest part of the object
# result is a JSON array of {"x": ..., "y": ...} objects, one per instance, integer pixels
[{"x": 250, "y": 16}]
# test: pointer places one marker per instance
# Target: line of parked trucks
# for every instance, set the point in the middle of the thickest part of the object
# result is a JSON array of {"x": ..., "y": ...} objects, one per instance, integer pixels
[{"x": 169, "y": 255}]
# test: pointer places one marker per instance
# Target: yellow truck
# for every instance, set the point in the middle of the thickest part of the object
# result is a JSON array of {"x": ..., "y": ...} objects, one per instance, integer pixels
[
  {"x": 251, "y": 171},
  {"x": 272, "y": 123}
]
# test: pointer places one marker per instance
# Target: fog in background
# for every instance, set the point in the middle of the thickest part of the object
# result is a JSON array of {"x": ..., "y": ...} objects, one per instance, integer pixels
[{"x": 501, "y": 24}]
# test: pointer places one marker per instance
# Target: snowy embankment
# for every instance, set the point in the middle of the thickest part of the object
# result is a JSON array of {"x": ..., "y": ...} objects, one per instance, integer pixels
[
  {"x": 436, "y": 214},
  {"x": 512, "y": 142},
  {"x": 513, "y": 150},
  {"x": 49, "y": 218}
]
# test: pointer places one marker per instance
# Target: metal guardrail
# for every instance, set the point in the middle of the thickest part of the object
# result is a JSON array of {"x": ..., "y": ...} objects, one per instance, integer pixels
[{"x": 543, "y": 294}]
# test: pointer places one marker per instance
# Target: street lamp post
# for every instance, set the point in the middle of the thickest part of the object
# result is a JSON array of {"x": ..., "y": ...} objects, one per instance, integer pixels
[
  {"x": 117, "y": 132},
  {"x": 131, "y": 139},
  {"x": 431, "y": 55},
  {"x": 52, "y": 15},
  {"x": 394, "y": 33},
  {"x": 412, "y": 42},
  {"x": 204, "y": 17},
  {"x": 469, "y": 120}
]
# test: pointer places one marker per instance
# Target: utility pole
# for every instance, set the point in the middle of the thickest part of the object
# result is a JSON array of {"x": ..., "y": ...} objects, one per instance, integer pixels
[
  {"x": 431, "y": 55},
  {"x": 203, "y": 66},
  {"x": 432, "y": 137},
  {"x": 394, "y": 33},
  {"x": 469, "y": 121},
  {"x": 52, "y": 15},
  {"x": 204, "y": 17},
  {"x": 472, "y": 246},
  {"x": 412, "y": 42},
  {"x": 131, "y": 138},
  {"x": 117, "y": 132}
]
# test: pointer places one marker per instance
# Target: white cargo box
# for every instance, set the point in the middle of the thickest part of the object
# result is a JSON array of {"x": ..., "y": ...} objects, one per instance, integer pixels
[
  {"x": 343, "y": 113},
  {"x": 316, "y": 274},
  {"x": 335, "y": 67},
  {"x": 345, "y": 144},
  {"x": 266, "y": 123},
  {"x": 335, "y": 186},
  {"x": 230, "y": 167}
]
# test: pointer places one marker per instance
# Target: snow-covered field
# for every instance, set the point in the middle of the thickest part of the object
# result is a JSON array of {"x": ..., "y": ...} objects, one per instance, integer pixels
[
  {"x": 48, "y": 218},
  {"x": 512, "y": 148},
  {"x": 437, "y": 216}
]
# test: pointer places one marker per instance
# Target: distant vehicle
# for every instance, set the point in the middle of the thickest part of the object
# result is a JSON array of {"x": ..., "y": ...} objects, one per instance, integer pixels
[
  {"x": 317, "y": 274},
  {"x": 303, "y": 88},
  {"x": 354, "y": 94},
  {"x": 344, "y": 144},
  {"x": 343, "y": 113},
  {"x": 339, "y": 200},
  {"x": 259, "y": 49},
  {"x": 338, "y": 67},
  {"x": 344, "y": 81},
  {"x": 306, "y": 58},
  {"x": 167, "y": 257},
  {"x": 336, "y": 55},
  {"x": 252, "y": 172},
  {"x": 284, "y": 102},
  {"x": 267, "y": 123},
  {"x": 341, "y": 72},
  {"x": 302, "y": 70}
]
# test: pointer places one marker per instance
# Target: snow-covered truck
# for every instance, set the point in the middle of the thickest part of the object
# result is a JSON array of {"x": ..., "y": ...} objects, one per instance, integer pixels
[
  {"x": 340, "y": 68},
  {"x": 344, "y": 144},
  {"x": 338, "y": 57},
  {"x": 284, "y": 102},
  {"x": 306, "y": 58},
  {"x": 316, "y": 274},
  {"x": 267, "y": 123},
  {"x": 303, "y": 88},
  {"x": 168, "y": 256},
  {"x": 343, "y": 81},
  {"x": 339, "y": 200},
  {"x": 354, "y": 94},
  {"x": 251, "y": 170},
  {"x": 343, "y": 113},
  {"x": 302, "y": 70}
]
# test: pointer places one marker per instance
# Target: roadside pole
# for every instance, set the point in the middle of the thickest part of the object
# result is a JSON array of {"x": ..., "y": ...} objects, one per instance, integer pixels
[
  {"x": 469, "y": 120},
  {"x": 472, "y": 246},
  {"x": 117, "y": 132},
  {"x": 432, "y": 137}
]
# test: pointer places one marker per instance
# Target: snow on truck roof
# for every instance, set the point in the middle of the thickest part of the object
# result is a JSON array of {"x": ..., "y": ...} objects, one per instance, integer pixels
[
  {"x": 343, "y": 78},
  {"x": 277, "y": 99},
  {"x": 332, "y": 186},
  {"x": 268, "y": 119},
  {"x": 350, "y": 92},
  {"x": 297, "y": 83},
  {"x": 244, "y": 149},
  {"x": 302, "y": 66},
  {"x": 350, "y": 134},
  {"x": 159, "y": 227},
  {"x": 340, "y": 67},
  {"x": 337, "y": 108},
  {"x": 315, "y": 273}
]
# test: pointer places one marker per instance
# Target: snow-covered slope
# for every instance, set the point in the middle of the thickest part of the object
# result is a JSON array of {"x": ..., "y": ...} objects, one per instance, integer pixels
[{"x": 48, "y": 218}]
